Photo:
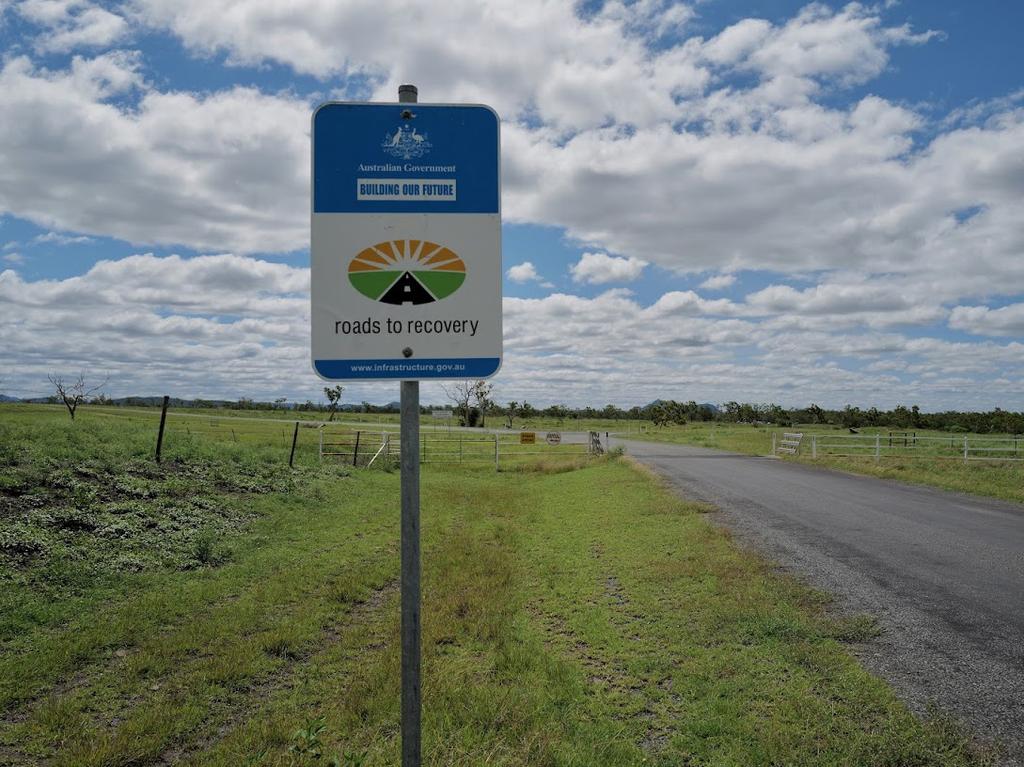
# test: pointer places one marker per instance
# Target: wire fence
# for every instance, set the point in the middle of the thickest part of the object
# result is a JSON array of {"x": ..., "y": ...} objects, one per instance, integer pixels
[
  {"x": 905, "y": 444},
  {"x": 366, "y": 448},
  {"x": 303, "y": 441}
]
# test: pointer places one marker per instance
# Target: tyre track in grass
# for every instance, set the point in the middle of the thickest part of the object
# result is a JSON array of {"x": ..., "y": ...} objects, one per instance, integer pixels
[
  {"x": 231, "y": 714},
  {"x": 644, "y": 703}
]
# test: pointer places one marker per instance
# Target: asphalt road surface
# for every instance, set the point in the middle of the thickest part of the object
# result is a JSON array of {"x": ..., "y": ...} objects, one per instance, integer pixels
[{"x": 942, "y": 572}]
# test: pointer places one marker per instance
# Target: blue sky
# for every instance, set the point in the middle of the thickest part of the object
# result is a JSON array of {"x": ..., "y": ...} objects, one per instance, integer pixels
[{"x": 761, "y": 201}]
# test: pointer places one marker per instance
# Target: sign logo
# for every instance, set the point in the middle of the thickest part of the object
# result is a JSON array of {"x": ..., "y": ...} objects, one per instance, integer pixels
[
  {"x": 406, "y": 143},
  {"x": 406, "y": 272}
]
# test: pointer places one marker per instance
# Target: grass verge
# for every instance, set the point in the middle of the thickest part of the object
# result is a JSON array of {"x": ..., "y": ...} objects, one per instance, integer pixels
[{"x": 572, "y": 615}]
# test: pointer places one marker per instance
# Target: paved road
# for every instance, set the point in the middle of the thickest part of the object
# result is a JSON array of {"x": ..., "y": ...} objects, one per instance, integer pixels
[{"x": 943, "y": 572}]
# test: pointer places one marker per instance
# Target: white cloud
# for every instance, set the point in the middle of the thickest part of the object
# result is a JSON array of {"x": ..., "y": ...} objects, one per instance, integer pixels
[
  {"x": 635, "y": 148},
  {"x": 849, "y": 45},
  {"x": 836, "y": 298},
  {"x": 13, "y": 258},
  {"x": 600, "y": 268},
  {"x": 527, "y": 55},
  {"x": 224, "y": 326},
  {"x": 228, "y": 170},
  {"x": 719, "y": 282},
  {"x": 983, "y": 321},
  {"x": 698, "y": 155},
  {"x": 524, "y": 272},
  {"x": 57, "y": 238},
  {"x": 612, "y": 348},
  {"x": 194, "y": 325},
  {"x": 47, "y": 12},
  {"x": 688, "y": 303},
  {"x": 72, "y": 24},
  {"x": 735, "y": 43},
  {"x": 848, "y": 198}
]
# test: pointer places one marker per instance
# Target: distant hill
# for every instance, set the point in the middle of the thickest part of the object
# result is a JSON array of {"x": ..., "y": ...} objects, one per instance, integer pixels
[{"x": 5, "y": 398}]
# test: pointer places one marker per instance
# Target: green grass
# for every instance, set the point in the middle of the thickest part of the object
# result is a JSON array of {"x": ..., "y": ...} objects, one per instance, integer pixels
[
  {"x": 226, "y": 419},
  {"x": 573, "y": 614},
  {"x": 937, "y": 464}
]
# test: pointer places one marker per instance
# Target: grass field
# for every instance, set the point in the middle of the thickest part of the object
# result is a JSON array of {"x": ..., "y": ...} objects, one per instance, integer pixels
[
  {"x": 387, "y": 421},
  {"x": 221, "y": 609},
  {"x": 929, "y": 463}
]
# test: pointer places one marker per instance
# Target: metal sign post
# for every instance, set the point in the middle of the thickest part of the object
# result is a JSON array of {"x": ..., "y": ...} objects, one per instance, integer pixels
[
  {"x": 410, "y": 467},
  {"x": 406, "y": 274}
]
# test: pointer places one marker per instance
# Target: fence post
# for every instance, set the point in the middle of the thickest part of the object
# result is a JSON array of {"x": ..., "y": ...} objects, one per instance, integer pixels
[
  {"x": 355, "y": 452},
  {"x": 496, "y": 467},
  {"x": 160, "y": 433},
  {"x": 424, "y": 459},
  {"x": 295, "y": 438},
  {"x": 320, "y": 451},
  {"x": 814, "y": 446},
  {"x": 773, "y": 443},
  {"x": 878, "y": 446},
  {"x": 965, "y": 449}
]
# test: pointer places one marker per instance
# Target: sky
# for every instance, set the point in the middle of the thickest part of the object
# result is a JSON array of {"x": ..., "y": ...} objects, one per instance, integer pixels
[{"x": 763, "y": 201}]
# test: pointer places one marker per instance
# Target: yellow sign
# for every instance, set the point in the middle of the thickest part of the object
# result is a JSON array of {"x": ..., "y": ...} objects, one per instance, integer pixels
[{"x": 527, "y": 438}]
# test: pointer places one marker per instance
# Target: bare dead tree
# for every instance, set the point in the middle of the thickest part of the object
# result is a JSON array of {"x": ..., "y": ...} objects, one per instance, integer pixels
[
  {"x": 461, "y": 394},
  {"x": 511, "y": 412},
  {"x": 464, "y": 394},
  {"x": 74, "y": 394}
]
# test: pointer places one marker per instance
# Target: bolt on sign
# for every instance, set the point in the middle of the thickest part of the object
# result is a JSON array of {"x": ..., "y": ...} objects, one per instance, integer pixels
[{"x": 406, "y": 241}]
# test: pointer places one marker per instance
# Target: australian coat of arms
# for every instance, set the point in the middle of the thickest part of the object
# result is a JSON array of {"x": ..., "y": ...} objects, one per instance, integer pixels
[{"x": 406, "y": 143}]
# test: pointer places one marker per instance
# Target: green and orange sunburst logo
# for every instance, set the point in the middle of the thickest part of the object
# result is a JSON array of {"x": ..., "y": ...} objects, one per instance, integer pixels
[{"x": 406, "y": 272}]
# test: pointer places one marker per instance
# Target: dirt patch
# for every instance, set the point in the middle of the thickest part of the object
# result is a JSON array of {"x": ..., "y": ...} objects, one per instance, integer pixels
[{"x": 613, "y": 589}]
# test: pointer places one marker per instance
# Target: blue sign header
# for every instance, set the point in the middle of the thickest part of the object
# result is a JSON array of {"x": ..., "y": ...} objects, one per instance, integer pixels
[{"x": 405, "y": 158}]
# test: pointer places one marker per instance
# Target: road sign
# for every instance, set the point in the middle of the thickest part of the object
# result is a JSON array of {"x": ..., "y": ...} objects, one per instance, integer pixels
[
  {"x": 406, "y": 241},
  {"x": 527, "y": 438},
  {"x": 554, "y": 438},
  {"x": 441, "y": 414}
]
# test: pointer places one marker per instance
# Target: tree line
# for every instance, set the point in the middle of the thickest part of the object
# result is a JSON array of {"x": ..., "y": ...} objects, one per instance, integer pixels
[
  {"x": 996, "y": 421},
  {"x": 472, "y": 402}
]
